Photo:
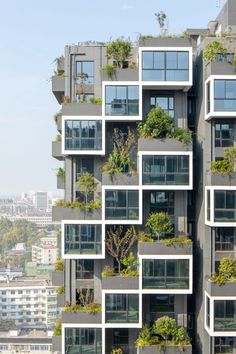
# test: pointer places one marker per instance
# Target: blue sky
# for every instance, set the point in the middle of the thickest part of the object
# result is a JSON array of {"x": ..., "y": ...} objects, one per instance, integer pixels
[{"x": 32, "y": 35}]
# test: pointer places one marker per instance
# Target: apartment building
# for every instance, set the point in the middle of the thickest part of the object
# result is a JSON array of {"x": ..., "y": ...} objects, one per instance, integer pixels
[
  {"x": 172, "y": 280},
  {"x": 46, "y": 251},
  {"x": 28, "y": 302}
]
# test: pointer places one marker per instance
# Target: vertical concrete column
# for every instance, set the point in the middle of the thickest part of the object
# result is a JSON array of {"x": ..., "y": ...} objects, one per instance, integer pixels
[
  {"x": 180, "y": 212},
  {"x": 69, "y": 179}
]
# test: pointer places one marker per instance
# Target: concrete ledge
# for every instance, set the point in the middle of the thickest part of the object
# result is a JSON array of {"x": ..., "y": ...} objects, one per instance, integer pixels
[
  {"x": 154, "y": 349},
  {"x": 122, "y": 75},
  {"x": 122, "y": 179},
  {"x": 163, "y": 145},
  {"x": 81, "y": 109},
  {"x": 58, "y": 87},
  {"x": 228, "y": 289},
  {"x": 56, "y": 150},
  {"x": 57, "y": 278},
  {"x": 81, "y": 317},
  {"x": 60, "y": 182},
  {"x": 164, "y": 42},
  {"x": 63, "y": 213},
  {"x": 56, "y": 344},
  {"x": 154, "y": 248},
  {"x": 119, "y": 282},
  {"x": 60, "y": 300},
  {"x": 218, "y": 179}
]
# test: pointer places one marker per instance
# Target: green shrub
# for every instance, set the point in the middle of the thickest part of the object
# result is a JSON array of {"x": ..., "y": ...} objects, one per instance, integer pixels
[
  {"x": 227, "y": 271},
  {"x": 59, "y": 265},
  {"x": 117, "y": 351},
  {"x": 96, "y": 100},
  {"x": 57, "y": 328},
  {"x": 179, "y": 240},
  {"x": 108, "y": 271},
  {"x": 60, "y": 290},
  {"x": 157, "y": 124},
  {"x": 119, "y": 51},
  {"x": 160, "y": 223},
  {"x": 90, "y": 308},
  {"x": 145, "y": 337},
  {"x": 182, "y": 134},
  {"x": 130, "y": 265},
  {"x": 212, "y": 49},
  {"x": 93, "y": 204},
  {"x": 222, "y": 166},
  {"x": 60, "y": 172},
  {"x": 144, "y": 237},
  {"x": 110, "y": 70},
  {"x": 118, "y": 162}
]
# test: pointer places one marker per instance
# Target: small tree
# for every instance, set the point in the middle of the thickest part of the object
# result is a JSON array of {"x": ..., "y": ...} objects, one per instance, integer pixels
[
  {"x": 82, "y": 81},
  {"x": 87, "y": 185},
  {"x": 230, "y": 155},
  {"x": 160, "y": 223},
  {"x": 212, "y": 50},
  {"x": 165, "y": 327},
  {"x": 119, "y": 51},
  {"x": 161, "y": 18},
  {"x": 119, "y": 242},
  {"x": 157, "y": 124}
]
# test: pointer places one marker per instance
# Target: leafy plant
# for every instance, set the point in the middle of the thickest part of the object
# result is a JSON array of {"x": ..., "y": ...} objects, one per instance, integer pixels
[
  {"x": 59, "y": 265},
  {"x": 227, "y": 271},
  {"x": 57, "y": 330},
  {"x": 228, "y": 164},
  {"x": 145, "y": 337},
  {"x": 93, "y": 204},
  {"x": 212, "y": 49},
  {"x": 182, "y": 134},
  {"x": 144, "y": 237},
  {"x": 119, "y": 51},
  {"x": 230, "y": 155},
  {"x": 108, "y": 271},
  {"x": 160, "y": 223},
  {"x": 95, "y": 100},
  {"x": 110, "y": 70},
  {"x": 164, "y": 327},
  {"x": 161, "y": 18},
  {"x": 117, "y": 162},
  {"x": 179, "y": 240},
  {"x": 87, "y": 185},
  {"x": 57, "y": 115},
  {"x": 117, "y": 351},
  {"x": 119, "y": 242},
  {"x": 130, "y": 265},
  {"x": 60, "y": 172},
  {"x": 60, "y": 290},
  {"x": 58, "y": 137},
  {"x": 157, "y": 124},
  {"x": 92, "y": 308}
]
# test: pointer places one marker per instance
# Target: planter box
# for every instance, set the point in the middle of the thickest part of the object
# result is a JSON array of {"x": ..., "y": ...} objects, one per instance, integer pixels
[
  {"x": 163, "y": 145},
  {"x": 56, "y": 150},
  {"x": 122, "y": 179},
  {"x": 81, "y": 109},
  {"x": 154, "y": 248},
  {"x": 119, "y": 282},
  {"x": 58, "y": 87},
  {"x": 81, "y": 317},
  {"x": 228, "y": 289},
  {"x": 57, "y": 278},
  {"x": 63, "y": 213},
  {"x": 218, "y": 179},
  {"x": 58, "y": 122},
  {"x": 56, "y": 344},
  {"x": 154, "y": 349},
  {"x": 164, "y": 42},
  {"x": 122, "y": 75},
  {"x": 60, "y": 182}
]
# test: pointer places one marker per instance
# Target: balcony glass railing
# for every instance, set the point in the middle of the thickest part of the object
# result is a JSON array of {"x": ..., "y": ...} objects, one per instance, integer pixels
[
  {"x": 83, "y": 135},
  {"x": 166, "y": 170},
  {"x": 122, "y": 308},
  {"x": 83, "y": 239},
  {"x": 122, "y": 204},
  {"x": 166, "y": 274},
  {"x": 83, "y": 341}
]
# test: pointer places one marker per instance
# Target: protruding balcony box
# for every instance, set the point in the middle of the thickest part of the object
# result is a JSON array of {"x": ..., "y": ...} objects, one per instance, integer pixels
[
  {"x": 155, "y": 248},
  {"x": 57, "y": 278},
  {"x": 219, "y": 68},
  {"x": 123, "y": 179},
  {"x": 60, "y": 182},
  {"x": 163, "y": 145},
  {"x": 58, "y": 87},
  {"x": 56, "y": 150},
  {"x": 118, "y": 282},
  {"x": 154, "y": 349},
  {"x": 218, "y": 179},
  {"x": 81, "y": 109},
  {"x": 60, "y": 300},
  {"x": 81, "y": 317},
  {"x": 227, "y": 289},
  {"x": 164, "y": 42},
  {"x": 56, "y": 344},
  {"x": 64, "y": 213},
  {"x": 59, "y": 122},
  {"x": 122, "y": 75}
]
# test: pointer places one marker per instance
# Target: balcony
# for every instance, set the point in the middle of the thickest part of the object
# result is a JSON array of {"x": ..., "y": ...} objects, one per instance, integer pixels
[
  {"x": 122, "y": 309},
  {"x": 121, "y": 205},
  {"x": 120, "y": 282},
  {"x": 122, "y": 75},
  {"x": 159, "y": 248},
  {"x": 220, "y": 96},
  {"x": 166, "y": 69},
  {"x": 81, "y": 317},
  {"x": 162, "y": 145},
  {"x": 168, "y": 350},
  {"x": 81, "y": 109},
  {"x": 56, "y": 150},
  {"x": 60, "y": 182},
  {"x": 65, "y": 213},
  {"x": 171, "y": 171},
  {"x": 57, "y": 278},
  {"x": 81, "y": 240},
  {"x": 58, "y": 87},
  {"x": 167, "y": 275},
  {"x": 123, "y": 179}
]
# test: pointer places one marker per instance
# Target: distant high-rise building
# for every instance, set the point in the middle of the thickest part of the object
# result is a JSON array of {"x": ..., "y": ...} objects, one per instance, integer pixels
[{"x": 41, "y": 200}]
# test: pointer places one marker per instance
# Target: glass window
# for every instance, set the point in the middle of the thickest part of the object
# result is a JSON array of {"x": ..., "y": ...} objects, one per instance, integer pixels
[
  {"x": 165, "y": 66},
  {"x": 83, "y": 135},
  {"x": 162, "y": 201},
  {"x": 225, "y": 95},
  {"x": 225, "y": 315},
  {"x": 87, "y": 68},
  {"x": 122, "y": 100},
  {"x": 224, "y": 134},
  {"x": 224, "y": 345},
  {"x": 122, "y": 308},
  {"x": 83, "y": 239},
  {"x": 84, "y": 269},
  {"x": 224, "y": 238},
  {"x": 225, "y": 205},
  {"x": 83, "y": 340},
  {"x": 122, "y": 204},
  {"x": 162, "y": 303},
  {"x": 165, "y": 102}
]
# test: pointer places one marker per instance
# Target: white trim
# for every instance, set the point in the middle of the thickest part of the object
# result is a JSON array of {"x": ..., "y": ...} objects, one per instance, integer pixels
[
  {"x": 82, "y": 152},
  {"x": 211, "y": 330},
  {"x": 164, "y": 186},
  {"x": 85, "y": 326},
  {"x": 121, "y": 118},
  {"x": 82, "y": 256},
  {"x": 211, "y": 222},
  {"x": 213, "y": 113},
  {"x": 119, "y": 324},
  {"x": 166, "y": 291},
  {"x": 166, "y": 84},
  {"x": 122, "y": 221}
]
